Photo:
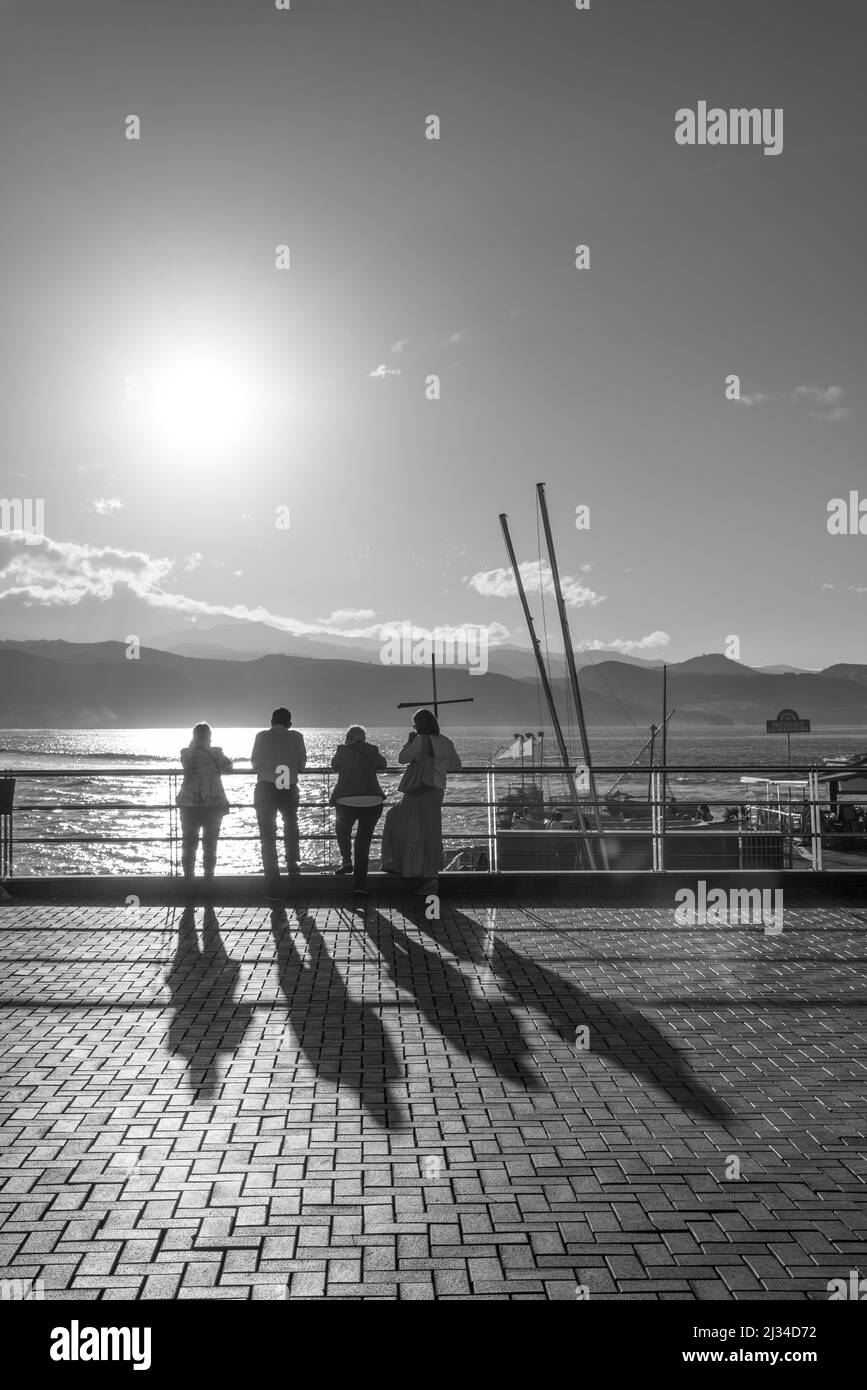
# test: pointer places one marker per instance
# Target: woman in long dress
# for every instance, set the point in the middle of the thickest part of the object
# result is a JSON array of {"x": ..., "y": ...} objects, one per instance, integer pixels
[{"x": 412, "y": 836}]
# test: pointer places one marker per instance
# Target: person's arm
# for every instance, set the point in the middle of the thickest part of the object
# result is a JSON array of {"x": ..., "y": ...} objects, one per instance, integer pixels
[
  {"x": 256, "y": 755},
  {"x": 302, "y": 753},
  {"x": 380, "y": 763},
  {"x": 454, "y": 764},
  {"x": 186, "y": 759},
  {"x": 411, "y": 750},
  {"x": 338, "y": 758},
  {"x": 225, "y": 763}
]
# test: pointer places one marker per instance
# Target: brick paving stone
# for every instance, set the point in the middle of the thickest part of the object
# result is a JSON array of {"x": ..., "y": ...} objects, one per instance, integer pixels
[{"x": 173, "y": 1141}]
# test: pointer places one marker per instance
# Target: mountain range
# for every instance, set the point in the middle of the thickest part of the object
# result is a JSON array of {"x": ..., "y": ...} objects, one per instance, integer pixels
[{"x": 90, "y": 685}]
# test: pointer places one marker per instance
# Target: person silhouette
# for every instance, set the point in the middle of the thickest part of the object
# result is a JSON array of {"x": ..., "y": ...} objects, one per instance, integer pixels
[
  {"x": 412, "y": 836},
  {"x": 202, "y": 803},
  {"x": 278, "y": 755},
  {"x": 357, "y": 799}
]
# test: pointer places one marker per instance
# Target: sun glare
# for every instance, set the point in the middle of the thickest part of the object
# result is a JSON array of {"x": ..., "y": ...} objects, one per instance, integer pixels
[{"x": 200, "y": 405}]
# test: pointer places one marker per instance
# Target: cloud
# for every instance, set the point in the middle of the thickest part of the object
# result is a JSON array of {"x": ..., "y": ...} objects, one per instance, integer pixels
[
  {"x": 830, "y": 395},
  {"x": 193, "y": 561},
  {"x": 827, "y": 396},
  {"x": 651, "y": 642},
  {"x": 382, "y": 371},
  {"x": 64, "y": 573},
  {"x": 757, "y": 398},
  {"x": 103, "y": 506},
  {"x": 348, "y": 615},
  {"x": 536, "y": 578},
  {"x": 429, "y": 340}
]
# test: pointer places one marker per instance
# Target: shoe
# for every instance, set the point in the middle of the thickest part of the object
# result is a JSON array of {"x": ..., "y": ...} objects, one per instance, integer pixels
[{"x": 344, "y": 869}]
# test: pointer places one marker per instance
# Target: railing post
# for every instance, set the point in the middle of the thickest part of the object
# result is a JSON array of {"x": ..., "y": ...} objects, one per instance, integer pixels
[
  {"x": 657, "y": 823},
  {"x": 815, "y": 820},
  {"x": 173, "y": 827}
]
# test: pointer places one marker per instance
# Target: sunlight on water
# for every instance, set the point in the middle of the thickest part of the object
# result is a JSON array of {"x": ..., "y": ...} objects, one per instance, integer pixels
[{"x": 133, "y": 809}]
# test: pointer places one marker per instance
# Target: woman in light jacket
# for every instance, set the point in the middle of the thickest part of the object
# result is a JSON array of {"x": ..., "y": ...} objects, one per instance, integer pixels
[
  {"x": 202, "y": 802},
  {"x": 412, "y": 836}
]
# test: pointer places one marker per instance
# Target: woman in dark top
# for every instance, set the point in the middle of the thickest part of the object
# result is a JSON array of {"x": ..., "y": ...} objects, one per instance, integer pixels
[{"x": 357, "y": 799}]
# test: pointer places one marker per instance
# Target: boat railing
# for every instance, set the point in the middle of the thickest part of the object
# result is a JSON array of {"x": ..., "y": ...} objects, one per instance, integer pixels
[{"x": 495, "y": 819}]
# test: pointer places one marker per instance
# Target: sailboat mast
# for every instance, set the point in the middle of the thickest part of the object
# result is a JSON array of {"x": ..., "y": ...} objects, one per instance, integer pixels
[
  {"x": 543, "y": 674},
  {"x": 664, "y": 743},
  {"x": 570, "y": 664}
]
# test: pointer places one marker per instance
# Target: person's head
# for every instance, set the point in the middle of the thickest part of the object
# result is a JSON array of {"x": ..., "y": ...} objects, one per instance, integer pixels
[
  {"x": 356, "y": 734},
  {"x": 281, "y": 716},
  {"x": 425, "y": 722},
  {"x": 201, "y": 736}
]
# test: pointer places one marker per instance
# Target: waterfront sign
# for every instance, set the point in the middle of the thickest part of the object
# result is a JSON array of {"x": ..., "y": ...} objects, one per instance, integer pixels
[{"x": 787, "y": 722}]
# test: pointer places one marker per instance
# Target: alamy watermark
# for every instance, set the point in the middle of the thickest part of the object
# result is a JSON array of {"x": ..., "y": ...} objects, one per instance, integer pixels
[
  {"x": 734, "y": 907},
  {"x": 25, "y": 514},
  {"x": 452, "y": 646},
  {"x": 737, "y": 126},
  {"x": 77, "y": 1343},
  {"x": 847, "y": 518},
  {"x": 22, "y": 1290},
  {"x": 856, "y": 1288}
]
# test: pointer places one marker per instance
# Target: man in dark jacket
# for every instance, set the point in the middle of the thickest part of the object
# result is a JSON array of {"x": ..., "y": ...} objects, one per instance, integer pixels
[
  {"x": 278, "y": 756},
  {"x": 357, "y": 798}
]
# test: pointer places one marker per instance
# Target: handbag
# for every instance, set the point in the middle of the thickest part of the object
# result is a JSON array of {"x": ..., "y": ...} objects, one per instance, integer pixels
[{"x": 414, "y": 782}]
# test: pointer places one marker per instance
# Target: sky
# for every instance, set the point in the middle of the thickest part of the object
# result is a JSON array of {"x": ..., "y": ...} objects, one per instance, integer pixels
[{"x": 171, "y": 394}]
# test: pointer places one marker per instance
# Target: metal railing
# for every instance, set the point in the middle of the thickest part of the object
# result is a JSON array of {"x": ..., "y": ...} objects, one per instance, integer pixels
[{"x": 522, "y": 822}]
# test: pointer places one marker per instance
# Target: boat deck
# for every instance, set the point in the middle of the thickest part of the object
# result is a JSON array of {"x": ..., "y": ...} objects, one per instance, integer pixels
[{"x": 335, "y": 1101}]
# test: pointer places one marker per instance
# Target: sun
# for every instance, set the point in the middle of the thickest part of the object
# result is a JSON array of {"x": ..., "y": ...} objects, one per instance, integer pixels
[{"x": 202, "y": 405}]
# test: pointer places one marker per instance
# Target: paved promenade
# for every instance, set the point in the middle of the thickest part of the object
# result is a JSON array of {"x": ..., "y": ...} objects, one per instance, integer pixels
[{"x": 359, "y": 1103}]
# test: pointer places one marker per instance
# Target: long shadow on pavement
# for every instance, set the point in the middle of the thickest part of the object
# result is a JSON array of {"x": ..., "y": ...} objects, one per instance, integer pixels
[
  {"x": 343, "y": 1039},
  {"x": 207, "y": 1017},
  {"x": 619, "y": 1032},
  {"x": 482, "y": 1030}
]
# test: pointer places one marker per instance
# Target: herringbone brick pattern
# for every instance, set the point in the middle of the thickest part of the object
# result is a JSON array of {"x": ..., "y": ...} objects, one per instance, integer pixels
[{"x": 328, "y": 1103}]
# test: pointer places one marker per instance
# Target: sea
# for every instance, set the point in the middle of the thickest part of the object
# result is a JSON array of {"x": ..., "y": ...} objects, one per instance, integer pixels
[{"x": 98, "y": 801}]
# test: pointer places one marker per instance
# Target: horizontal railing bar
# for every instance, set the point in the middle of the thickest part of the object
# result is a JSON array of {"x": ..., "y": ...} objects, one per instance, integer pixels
[
  {"x": 252, "y": 839},
  {"x": 545, "y": 769}
]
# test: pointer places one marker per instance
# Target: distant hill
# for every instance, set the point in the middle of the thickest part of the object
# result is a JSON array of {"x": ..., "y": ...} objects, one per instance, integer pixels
[
  {"x": 744, "y": 696},
  {"x": 67, "y": 685},
  {"x": 783, "y": 670},
  {"x": 242, "y": 641},
  {"x": 72, "y": 685},
  {"x": 846, "y": 672},
  {"x": 711, "y": 664}
]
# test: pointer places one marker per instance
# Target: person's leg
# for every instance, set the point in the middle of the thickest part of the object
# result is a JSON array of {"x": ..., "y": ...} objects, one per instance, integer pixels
[
  {"x": 212, "y": 820},
  {"x": 367, "y": 818},
  {"x": 189, "y": 842},
  {"x": 433, "y": 802},
  {"x": 265, "y": 803},
  {"x": 343, "y": 822},
  {"x": 289, "y": 798}
]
